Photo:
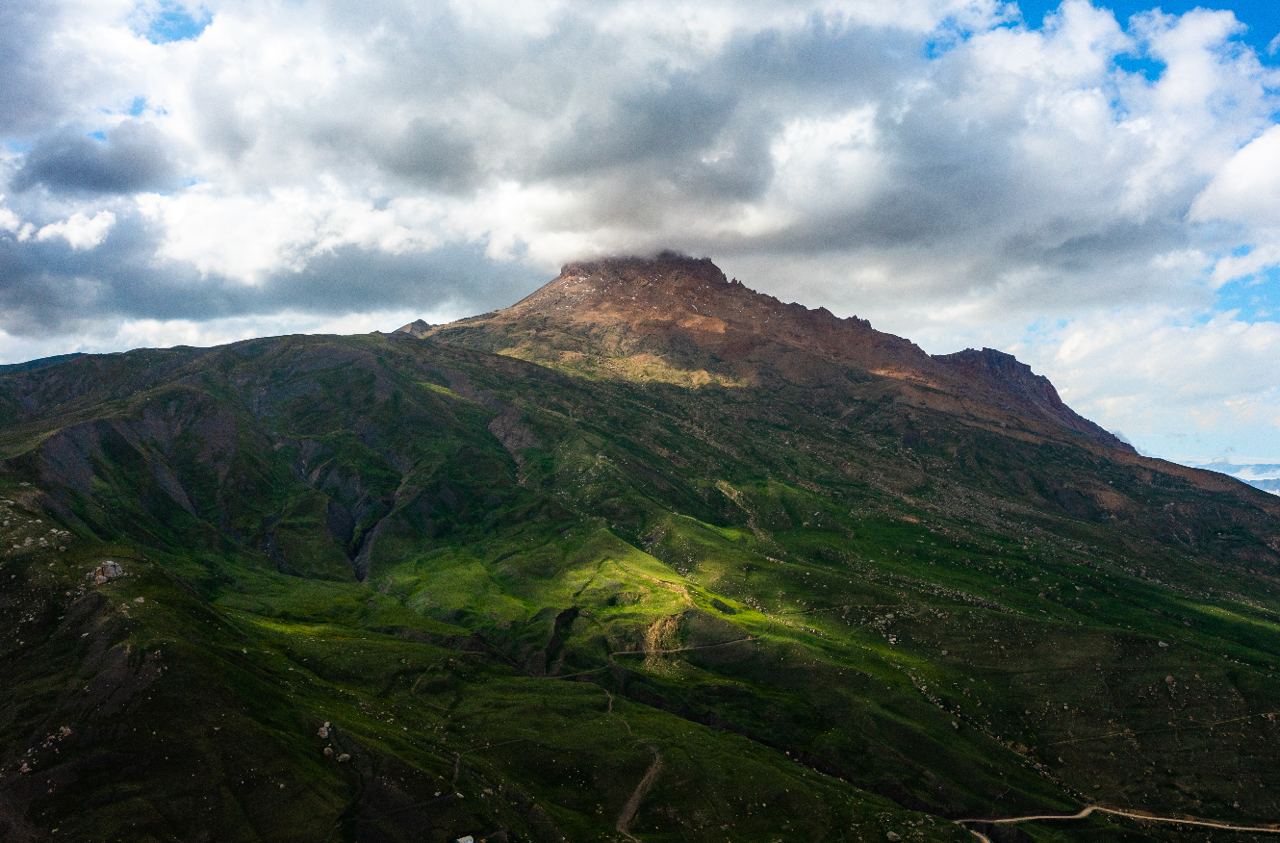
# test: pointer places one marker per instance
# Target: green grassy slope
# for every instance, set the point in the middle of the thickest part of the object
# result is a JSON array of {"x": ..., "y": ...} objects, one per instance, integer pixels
[{"x": 539, "y": 606}]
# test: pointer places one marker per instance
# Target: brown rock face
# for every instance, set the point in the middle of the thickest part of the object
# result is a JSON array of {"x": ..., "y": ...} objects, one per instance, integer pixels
[
  {"x": 676, "y": 299},
  {"x": 1005, "y": 376},
  {"x": 680, "y": 320}
]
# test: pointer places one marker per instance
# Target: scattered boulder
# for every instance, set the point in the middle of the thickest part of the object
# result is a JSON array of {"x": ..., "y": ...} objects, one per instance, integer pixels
[{"x": 106, "y": 572}]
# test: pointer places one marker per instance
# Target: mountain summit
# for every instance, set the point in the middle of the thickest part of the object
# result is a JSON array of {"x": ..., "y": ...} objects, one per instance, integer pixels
[{"x": 680, "y": 319}]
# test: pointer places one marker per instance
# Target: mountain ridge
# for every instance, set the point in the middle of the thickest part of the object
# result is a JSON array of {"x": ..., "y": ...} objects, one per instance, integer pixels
[{"x": 672, "y": 305}]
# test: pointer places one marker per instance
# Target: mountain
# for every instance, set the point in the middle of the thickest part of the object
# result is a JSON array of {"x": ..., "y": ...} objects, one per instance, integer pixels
[
  {"x": 33, "y": 365},
  {"x": 1260, "y": 475},
  {"x": 680, "y": 320},
  {"x": 645, "y": 556}
]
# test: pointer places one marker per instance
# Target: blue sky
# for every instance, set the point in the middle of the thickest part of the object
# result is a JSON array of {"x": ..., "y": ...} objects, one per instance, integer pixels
[
  {"x": 1256, "y": 298},
  {"x": 1100, "y": 196},
  {"x": 1261, "y": 17},
  {"x": 174, "y": 22}
]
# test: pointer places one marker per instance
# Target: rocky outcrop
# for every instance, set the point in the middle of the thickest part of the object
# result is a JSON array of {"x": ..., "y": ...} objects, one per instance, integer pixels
[
  {"x": 416, "y": 328},
  {"x": 105, "y": 572},
  {"x": 1006, "y": 376}
]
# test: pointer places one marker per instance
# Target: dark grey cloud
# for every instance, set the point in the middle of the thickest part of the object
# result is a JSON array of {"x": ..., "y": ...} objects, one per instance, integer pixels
[
  {"x": 134, "y": 156},
  {"x": 431, "y": 154},
  {"x": 823, "y": 62},
  {"x": 663, "y": 121},
  {"x": 47, "y": 286},
  {"x": 27, "y": 99},
  {"x": 422, "y": 154}
]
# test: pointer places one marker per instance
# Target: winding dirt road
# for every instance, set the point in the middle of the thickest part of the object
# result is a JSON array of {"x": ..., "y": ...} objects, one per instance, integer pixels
[
  {"x": 629, "y": 810},
  {"x": 1273, "y": 828}
]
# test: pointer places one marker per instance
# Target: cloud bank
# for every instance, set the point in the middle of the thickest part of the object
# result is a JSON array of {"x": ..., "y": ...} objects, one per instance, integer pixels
[{"x": 1099, "y": 195}]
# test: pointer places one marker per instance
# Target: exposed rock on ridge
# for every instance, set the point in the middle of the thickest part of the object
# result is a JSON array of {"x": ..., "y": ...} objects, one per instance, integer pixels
[
  {"x": 1005, "y": 373},
  {"x": 682, "y": 320},
  {"x": 417, "y": 328}
]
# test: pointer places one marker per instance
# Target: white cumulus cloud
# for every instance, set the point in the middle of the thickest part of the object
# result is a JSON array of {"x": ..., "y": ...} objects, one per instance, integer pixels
[{"x": 79, "y": 230}]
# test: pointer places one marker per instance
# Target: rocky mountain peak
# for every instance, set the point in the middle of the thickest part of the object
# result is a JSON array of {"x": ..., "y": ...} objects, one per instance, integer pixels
[
  {"x": 671, "y": 290},
  {"x": 666, "y": 266},
  {"x": 628, "y": 289},
  {"x": 681, "y": 319}
]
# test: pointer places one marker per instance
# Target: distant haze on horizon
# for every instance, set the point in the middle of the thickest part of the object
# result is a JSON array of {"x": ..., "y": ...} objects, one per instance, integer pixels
[{"x": 1094, "y": 188}]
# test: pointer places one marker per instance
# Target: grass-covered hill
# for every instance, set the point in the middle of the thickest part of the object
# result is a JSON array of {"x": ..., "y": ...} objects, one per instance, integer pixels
[{"x": 647, "y": 556}]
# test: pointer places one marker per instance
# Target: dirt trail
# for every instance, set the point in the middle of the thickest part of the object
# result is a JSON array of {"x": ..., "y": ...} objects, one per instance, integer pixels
[
  {"x": 647, "y": 653},
  {"x": 632, "y": 805},
  {"x": 736, "y": 497},
  {"x": 659, "y": 632},
  {"x": 1121, "y": 812},
  {"x": 671, "y": 650}
]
